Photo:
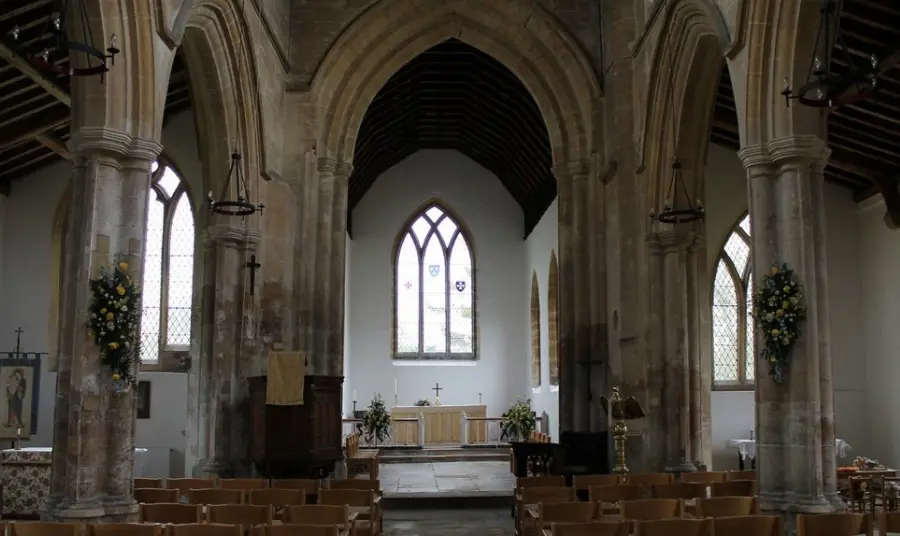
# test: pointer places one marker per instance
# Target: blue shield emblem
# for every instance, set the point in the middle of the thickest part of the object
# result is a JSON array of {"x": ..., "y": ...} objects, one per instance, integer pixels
[
  {"x": 460, "y": 286},
  {"x": 434, "y": 270}
]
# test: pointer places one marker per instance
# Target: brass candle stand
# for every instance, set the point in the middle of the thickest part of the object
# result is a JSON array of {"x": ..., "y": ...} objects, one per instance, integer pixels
[{"x": 619, "y": 411}]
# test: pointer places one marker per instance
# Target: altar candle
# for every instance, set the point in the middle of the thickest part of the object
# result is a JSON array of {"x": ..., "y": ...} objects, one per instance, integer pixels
[
  {"x": 354, "y": 395},
  {"x": 395, "y": 386}
]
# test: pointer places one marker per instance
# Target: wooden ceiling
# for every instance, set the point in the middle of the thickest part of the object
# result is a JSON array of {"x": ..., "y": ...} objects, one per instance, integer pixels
[
  {"x": 454, "y": 96},
  {"x": 864, "y": 136},
  {"x": 35, "y": 106}
]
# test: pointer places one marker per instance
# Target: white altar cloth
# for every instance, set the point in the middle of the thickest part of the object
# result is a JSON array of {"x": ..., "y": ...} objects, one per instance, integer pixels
[{"x": 747, "y": 447}]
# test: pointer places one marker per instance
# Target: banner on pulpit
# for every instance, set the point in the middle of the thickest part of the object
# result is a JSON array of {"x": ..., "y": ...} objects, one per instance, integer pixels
[{"x": 284, "y": 385}]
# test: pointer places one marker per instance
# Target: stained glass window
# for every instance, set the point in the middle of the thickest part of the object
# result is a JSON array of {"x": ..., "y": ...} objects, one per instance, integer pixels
[
  {"x": 553, "y": 318},
  {"x": 168, "y": 272},
  {"x": 434, "y": 298},
  {"x": 732, "y": 322},
  {"x": 535, "y": 332}
]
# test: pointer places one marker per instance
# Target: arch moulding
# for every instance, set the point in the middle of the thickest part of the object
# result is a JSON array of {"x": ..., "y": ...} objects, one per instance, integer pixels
[{"x": 518, "y": 33}]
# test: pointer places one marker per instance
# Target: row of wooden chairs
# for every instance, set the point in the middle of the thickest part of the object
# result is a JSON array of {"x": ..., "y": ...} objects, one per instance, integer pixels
[
  {"x": 726, "y": 526},
  {"x": 311, "y": 485},
  {"x": 360, "y": 461},
  {"x": 154, "y": 529},
  {"x": 368, "y": 521},
  {"x": 584, "y": 482}
]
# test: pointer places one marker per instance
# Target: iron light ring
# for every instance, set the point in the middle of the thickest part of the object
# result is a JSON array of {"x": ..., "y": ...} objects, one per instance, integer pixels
[
  {"x": 684, "y": 215},
  {"x": 233, "y": 208}
]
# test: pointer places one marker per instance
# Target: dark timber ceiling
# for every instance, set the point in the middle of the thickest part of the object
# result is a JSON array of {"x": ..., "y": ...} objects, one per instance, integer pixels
[
  {"x": 454, "y": 96},
  {"x": 35, "y": 107},
  {"x": 863, "y": 137}
]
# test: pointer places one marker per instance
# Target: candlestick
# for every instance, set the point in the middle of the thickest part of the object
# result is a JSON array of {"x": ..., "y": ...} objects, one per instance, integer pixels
[
  {"x": 354, "y": 395},
  {"x": 395, "y": 386}
]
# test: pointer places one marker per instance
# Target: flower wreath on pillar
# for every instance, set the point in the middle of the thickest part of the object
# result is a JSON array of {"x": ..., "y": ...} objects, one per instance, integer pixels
[
  {"x": 114, "y": 322},
  {"x": 778, "y": 310}
]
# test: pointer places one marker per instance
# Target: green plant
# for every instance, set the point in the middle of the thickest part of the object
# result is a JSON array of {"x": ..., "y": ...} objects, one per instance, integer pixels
[
  {"x": 114, "y": 321},
  {"x": 778, "y": 311},
  {"x": 377, "y": 421},
  {"x": 423, "y": 402},
  {"x": 518, "y": 422}
]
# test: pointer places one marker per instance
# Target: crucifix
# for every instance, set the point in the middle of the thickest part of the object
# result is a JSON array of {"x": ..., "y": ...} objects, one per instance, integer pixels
[
  {"x": 252, "y": 265},
  {"x": 437, "y": 393},
  {"x": 19, "y": 333}
]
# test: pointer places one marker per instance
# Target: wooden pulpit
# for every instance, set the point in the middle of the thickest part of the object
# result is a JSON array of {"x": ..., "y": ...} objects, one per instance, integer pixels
[{"x": 301, "y": 441}]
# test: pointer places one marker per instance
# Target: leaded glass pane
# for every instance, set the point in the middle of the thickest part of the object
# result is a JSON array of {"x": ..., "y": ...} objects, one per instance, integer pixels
[
  {"x": 420, "y": 228},
  {"x": 151, "y": 287},
  {"x": 745, "y": 225},
  {"x": 725, "y": 326},
  {"x": 461, "y": 302},
  {"x": 434, "y": 297},
  {"x": 434, "y": 213},
  {"x": 447, "y": 228},
  {"x": 153, "y": 167},
  {"x": 750, "y": 364},
  {"x": 169, "y": 181},
  {"x": 408, "y": 272},
  {"x": 181, "y": 274},
  {"x": 738, "y": 250}
]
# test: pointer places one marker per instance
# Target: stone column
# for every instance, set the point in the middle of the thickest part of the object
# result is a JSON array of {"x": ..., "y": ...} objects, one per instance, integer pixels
[
  {"x": 93, "y": 443},
  {"x": 4, "y": 199},
  {"x": 669, "y": 376},
  {"x": 230, "y": 245},
  {"x": 795, "y": 419}
]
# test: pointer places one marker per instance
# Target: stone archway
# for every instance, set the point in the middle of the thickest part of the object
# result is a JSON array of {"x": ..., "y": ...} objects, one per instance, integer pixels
[{"x": 517, "y": 33}]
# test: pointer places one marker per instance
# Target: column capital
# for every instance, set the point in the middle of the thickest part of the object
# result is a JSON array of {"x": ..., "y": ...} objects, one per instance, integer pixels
[
  {"x": 105, "y": 140},
  {"x": 334, "y": 166},
  {"x": 660, "y": 242},
  {"x": 812, "y": 149},
  {"x": 235, "y": 234},
  {"x": 755, "y": 157}
]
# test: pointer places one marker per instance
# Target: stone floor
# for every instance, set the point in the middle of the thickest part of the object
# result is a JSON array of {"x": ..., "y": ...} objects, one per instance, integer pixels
[
  {"x": 448, "y": 522},
  {"x": 469, "y": 479}
]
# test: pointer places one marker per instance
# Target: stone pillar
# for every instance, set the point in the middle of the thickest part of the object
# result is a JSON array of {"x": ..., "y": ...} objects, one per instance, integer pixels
[
  {"x": 4, "y": 199},
  {"x": 230, "y": 245},
  {"x": 795, "y": 419},
  {"x": 93, "y": 443},
  {"x": 669, "y": 377}
]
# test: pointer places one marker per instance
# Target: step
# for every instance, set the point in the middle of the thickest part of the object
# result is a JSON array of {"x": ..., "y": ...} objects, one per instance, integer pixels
[
  {"x": 438, "y": 458},
  {"x": 447, "y": 500}
]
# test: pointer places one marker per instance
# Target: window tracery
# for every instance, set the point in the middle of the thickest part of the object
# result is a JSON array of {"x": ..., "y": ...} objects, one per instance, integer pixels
[{"x": 732, "y": 322}]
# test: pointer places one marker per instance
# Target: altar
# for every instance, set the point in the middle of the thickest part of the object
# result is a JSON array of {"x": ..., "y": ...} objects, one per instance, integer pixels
[{"x": 442, "y": 424}]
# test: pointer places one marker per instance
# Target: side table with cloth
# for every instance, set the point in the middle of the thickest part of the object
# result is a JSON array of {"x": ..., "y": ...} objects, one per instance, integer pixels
[
  {"x": 25, "y": 478},
  {"x": 747, "y": 449}
]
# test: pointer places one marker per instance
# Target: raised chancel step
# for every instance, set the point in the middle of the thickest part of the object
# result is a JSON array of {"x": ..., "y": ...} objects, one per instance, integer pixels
[
  {"x": 445, "y": 454},
  {"x": 470, "y": 484}
]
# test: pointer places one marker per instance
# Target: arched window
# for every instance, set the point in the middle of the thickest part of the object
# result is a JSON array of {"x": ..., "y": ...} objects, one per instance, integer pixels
[
  {"x": 168, "y": 274},
  {"x": 732, "y": 324},
  {"x": 535, "y": 332},
  {"x": 553, "y": 319},
  {"x": 434, "y": 292}
]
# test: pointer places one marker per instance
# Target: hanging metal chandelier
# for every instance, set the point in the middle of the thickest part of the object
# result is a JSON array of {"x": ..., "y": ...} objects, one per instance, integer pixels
[
  {"x": 239, "y": 205},
  {"x": 49, "y": 57},
  {"x": 825, "y": 88},
  {"x": 673, "y": 211}
]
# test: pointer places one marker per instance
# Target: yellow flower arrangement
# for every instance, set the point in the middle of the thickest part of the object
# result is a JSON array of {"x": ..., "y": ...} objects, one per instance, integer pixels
[
  {"x": 113, "y": 322},
  {"x": 778, "y": 311}
]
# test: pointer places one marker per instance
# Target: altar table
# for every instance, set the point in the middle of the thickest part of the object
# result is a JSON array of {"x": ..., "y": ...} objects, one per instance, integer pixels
[
  {"x": 25, "y": 478},
  {"x": 747, "y": 449},
  {"x": 442, "y": 424}
]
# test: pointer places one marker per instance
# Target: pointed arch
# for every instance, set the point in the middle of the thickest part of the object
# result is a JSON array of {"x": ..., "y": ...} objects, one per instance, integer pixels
[
  {"x": 732, "y": 322},
  {"x": 535, "y": 331},
  {"x": 434, "y": 314},
  {"x": 553, "y": 318}
]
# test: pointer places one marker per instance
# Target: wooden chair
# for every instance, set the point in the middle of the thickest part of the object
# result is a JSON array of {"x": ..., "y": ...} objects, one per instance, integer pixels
[
  {"x": 727, "y": 507},
  {"x": 205, "y": 529},
  {"x": 310, "y": 486},
  {"x": 593, "y": 528},
  {"x": 861, "y": 496},
  {"x": 44, "y": 529},
  {"x": 845, "y": 524},
  {"x": 245, "y": 484},
  {"x": 185, "y": 484},
  {"x": 148, "y": 483},
  {"x": 583, "y": 483},
  {"x": 248, "y": 515},
  {"x": 675, "y": 527},
  {"x": 704, "y": 476},
  {"x": 649, "y": 479},
  {"x": 369, "y": 522},
  {"x": 548, "y": 495},
  {"x": 540, "y": 481},
  {"x": 125, "y": 529},
  {"x": 155, "y": 495},
  {"x": 356, "y": 483},
  {"x": 296, "y": 529},
  {"x": 215, "y": 496},
  {"x": 888, "y": 522},
  {"x": 651, "y": 509},
  {"x": 171, "y": 513},
  {"x": 574, "y": 512},
  {"x": 277, "y": 499},
  {"x": 318, "y": 514},
  {"x": 740, "y": 475},
  {"x": 680, "y": 490},
  {"x": 608, "y": 497},
  {"x": 733, "y": 488},
  {"x": 750, "y": 525}
]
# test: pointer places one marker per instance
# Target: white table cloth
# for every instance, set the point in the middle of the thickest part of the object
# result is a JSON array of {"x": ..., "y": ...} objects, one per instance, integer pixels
[{"x": 747, "y": 447}]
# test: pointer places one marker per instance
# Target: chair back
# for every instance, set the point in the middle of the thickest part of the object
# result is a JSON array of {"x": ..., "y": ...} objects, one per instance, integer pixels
[
  {"x": 215, "y": 496},
  {"x": 44, "y": 529},
  {"x": 571, "y": 512},
  {"x": 727, "y": 507},
  {"x": 148, "y": 483},
  {"x": 155, "y": 495},
  {"x": 243, "y": 483},
  {"x": 125, "y": 529},
  {"x": 675, "y": 527},
  {"x": 206, "y": 529},
  {"x": 750, "y": 525},
  {"x": 356, "y": 483},
  {"x": 704, "y": 476},
  {"x": 592, "y": 528},
  {"x": 185, "y": 484},
  {"x": 733, "y": 488},
  {"x": 310, "y": 486},
  {"x": 651, "y": 509},
  {"x": 317, "y": 514},
  {"x": 680, "y": 490},
  {"x": 277, "y": 497},
  {"x": 540, "y": 481},
  {"x": 649, "y": 479},
  {"x": 297, "y": 529},
  {"x": 585, "y": 482},
  {"x": 350, "y": 497},
  {"x": 621, "y": 492},
  {"x": 844, "y": 524},
  {"x": 888, "y": 522},
  {"x": 174, "y": 513},
  {"x": 247, "y": 515},
  {"x": 548, "y": 495},
  {"x": 740, "y": 475}
]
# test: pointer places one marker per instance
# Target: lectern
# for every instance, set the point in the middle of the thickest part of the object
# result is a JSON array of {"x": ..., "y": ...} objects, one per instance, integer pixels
[{"x": 297, "y": 441}]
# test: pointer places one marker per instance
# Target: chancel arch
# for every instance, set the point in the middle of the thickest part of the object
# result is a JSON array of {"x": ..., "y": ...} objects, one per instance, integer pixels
[
  {"x": 434, "y": 287},
  {"x": 535, "y": 311}
]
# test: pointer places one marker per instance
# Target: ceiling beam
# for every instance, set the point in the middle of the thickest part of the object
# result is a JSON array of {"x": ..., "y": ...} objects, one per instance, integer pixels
[
  {"x": 54, "y": 144},
  {"x": 37, "y": 77},
  {"x": 56, "y": 116}
]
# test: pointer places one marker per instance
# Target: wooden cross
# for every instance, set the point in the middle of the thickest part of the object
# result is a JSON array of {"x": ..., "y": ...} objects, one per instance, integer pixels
[
  {"x": 19, "y": 333},
  {"x": 437, "y": 390},
  {"x": 253, "y": 266}
]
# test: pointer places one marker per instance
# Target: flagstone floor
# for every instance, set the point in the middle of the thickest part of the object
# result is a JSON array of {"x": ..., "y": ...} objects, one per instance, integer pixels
[
  {"x": 448, "y": 522},
  {"x": 478, "y": 478}
]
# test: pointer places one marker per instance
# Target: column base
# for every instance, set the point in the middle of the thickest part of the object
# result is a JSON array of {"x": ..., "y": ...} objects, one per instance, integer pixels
[
  {"x": 793, "y": 503},
  {"x": 679, "y": 467},
  {"x": 91, "y": 511},
  {"x": 217, "y": 468}
]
